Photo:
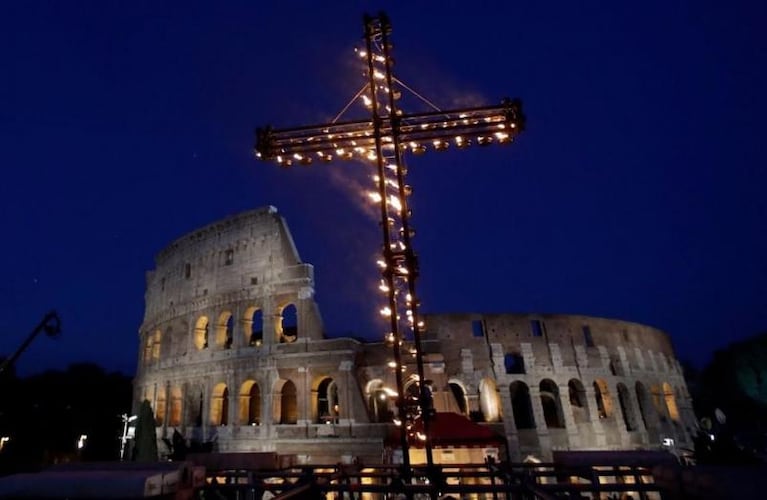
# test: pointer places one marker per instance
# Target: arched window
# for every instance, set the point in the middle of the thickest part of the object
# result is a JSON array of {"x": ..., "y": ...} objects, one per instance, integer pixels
[
  {"x": 489, "y": 403},
  {"x": 327, "y": 402},
  {"x": 253, "y": 326},
  {"x": 627, "y": 409},
  {"x": 521, "y": 405},
  {"x": 198, "y": 410},
  {"x": 159, "y": 410},
  {"x": 643, "y": 398},
  {"x": 603, "y": 399},
  {"x": 175, "y": 407},
  {"x": 288, "y": 403},
  {"x": 225, "y": 330},
  {"x": 156, "y": 343},
  {"x": 287, "y": 326},
  {"x": 578, "y": 401},
  {"x": 379, "y": 401},
  {"x": 219, "y": 405},
  {"x": 552, "y": 409},
  {"x": 460, "y": 397},
  {"x": 670, "y": 399},
  {"x": 201, "y": 333},
  {"x": 148, "y": 339},
  {"x": 250, "y": 403}
]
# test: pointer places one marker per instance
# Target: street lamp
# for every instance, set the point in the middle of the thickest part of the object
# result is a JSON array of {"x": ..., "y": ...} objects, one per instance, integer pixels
[{"x": 124, "y": 439}]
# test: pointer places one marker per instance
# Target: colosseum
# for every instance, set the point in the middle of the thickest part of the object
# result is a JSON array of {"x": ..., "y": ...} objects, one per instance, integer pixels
[{"x": 233, "y": 353}]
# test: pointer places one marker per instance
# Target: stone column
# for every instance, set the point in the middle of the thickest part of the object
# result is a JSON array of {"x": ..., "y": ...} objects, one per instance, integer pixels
[
  {"x": 544, "y": 438},
  {"x": 346, "y": 415}
]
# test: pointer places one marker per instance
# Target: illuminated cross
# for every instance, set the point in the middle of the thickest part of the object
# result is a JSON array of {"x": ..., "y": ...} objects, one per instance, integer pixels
[{"x": 382, "y": 140}]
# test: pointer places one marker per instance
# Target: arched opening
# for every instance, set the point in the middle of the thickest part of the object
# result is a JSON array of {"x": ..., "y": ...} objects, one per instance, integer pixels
[
  {"x": 199, "y": 410},
  {"x": 603, "y": 399},
  {"x": 489, "y": 402},
  {"x": 643, "y": 398},
  {"x": 459, "y": 394},
  {"x": 656, "y": 393},
  {"x": 219, "y": 405},
  {"x": 148, "y": 339},
  {"x": 378, "y": 397},
  {"x": 159, "y": 410},
  {"x": 670, "y": 399},
  {"x": 175, "y": 407},
  {"x": 288, "y": 403},
  {"x": 552, "y": 408},
  {"x": 521, "y": 405},
  {"x": 156, "y": 343},
  {"x": 327, "y": 402},
  {"x": 253, "y": 326},
  {"x": 627, "y": 409},
  {"x": 287, "y": 324},
  {"x": 225, "y": 330},
  {"x": 201, "y": 333},
  {"x": 250, "y": 403},
  {"x": 578, "y": 401}
]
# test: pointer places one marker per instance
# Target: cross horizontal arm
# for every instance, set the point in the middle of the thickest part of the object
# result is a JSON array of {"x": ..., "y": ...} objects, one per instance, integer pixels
[{"x": 325, "y": 142}]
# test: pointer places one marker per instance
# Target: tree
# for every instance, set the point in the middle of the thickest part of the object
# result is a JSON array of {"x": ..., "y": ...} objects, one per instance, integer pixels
[{"x": 145, "y": 444}]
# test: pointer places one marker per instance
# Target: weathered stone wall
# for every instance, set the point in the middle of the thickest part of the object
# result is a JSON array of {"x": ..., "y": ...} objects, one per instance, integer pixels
[{"x": 219, "y": 362}]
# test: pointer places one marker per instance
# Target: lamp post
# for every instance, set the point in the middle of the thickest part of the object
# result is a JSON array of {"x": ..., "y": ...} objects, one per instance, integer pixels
[{"x": 124, "y": 439}]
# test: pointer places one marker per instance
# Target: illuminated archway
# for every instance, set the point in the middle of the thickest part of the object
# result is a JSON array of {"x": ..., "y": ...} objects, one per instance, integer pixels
[
  {"x": 253, "y": 326},
  {"x": 670, "y": 399},
  {"x": 225, "y": 330},
  {"x": 250, "y": 403},
  {"x": 327, "y": 402},
  {"x": 288, "y": 403},
  {"x": 603, "y": 399},
  {"x": 489, "y": 402},
  {"x": 175, "y": 407},
  {"x": 159, "y": 410},
  {"x": 378, "y": 397},
  {"x": 201, "y": 333},
  {"x": 287, "y": 324},
  {"x": 219, "y": 405}
]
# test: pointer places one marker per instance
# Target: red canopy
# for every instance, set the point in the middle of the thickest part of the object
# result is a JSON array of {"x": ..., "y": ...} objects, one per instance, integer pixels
[{"x": 452, "y": 429}]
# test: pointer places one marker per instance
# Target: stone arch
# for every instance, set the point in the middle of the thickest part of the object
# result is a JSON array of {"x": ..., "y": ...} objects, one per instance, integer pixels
[
  {"x": 327, "y": 407},
  {"x": 160, "y": 406},
  {"x": 670, "y": 400},
  {"x": 250, "y": 403},
  {"x": 578, "y": 401},
  {"x": 201, "y": 330},
  {"x": 644, "y": 401},
  {"x": 219, "y": 405},
  {"x": 379, "y": 401},
  {"x": 521, "y": 405},
  {"x": 148, "y": 339},
  {"x": 225, "y": 330},
  {"x": 458, "y": 391},
  {"x": 627, "y": 409},
  {"x": 156, "y": 344},
  {"x": 176, "y": 406},
  {"x": 253, "y": 326},
  {"x": 287, "y": 412},
  {"x": 286, "y": 325},
  {"x": 489, "y": 402},
  {"x": 603, "y": 399},
  {"x": 552, "y": 407}
]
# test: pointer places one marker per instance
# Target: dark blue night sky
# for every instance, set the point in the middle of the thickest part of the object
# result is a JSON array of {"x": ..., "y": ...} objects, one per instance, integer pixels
[{"x": 637, "y": 191}]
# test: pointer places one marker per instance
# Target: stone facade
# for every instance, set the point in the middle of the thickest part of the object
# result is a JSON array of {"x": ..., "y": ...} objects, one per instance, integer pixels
[{"x": 232, "y": 351}]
